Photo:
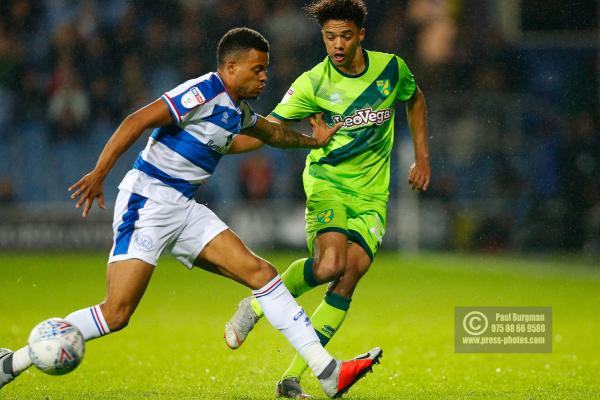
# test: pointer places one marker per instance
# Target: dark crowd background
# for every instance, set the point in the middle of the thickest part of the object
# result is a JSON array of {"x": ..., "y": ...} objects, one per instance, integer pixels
[{"x": 512, "y": 91}]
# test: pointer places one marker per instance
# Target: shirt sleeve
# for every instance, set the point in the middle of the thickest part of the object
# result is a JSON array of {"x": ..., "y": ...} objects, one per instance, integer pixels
[
  {"x": 406, "y": 82},
  {"x": 186, "y": 97},
  {"x": 249, "y": 117},
  {"x": 299, "y": 101}
]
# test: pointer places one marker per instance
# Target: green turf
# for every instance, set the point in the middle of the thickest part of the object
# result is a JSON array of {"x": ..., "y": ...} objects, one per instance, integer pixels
[{"x": 173, "y": 348}]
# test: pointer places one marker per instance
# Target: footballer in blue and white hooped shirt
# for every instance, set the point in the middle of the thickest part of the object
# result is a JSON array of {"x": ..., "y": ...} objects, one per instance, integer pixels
[
  {"x": 181, "y": 156},
  {"x": 154, "y": 211}
]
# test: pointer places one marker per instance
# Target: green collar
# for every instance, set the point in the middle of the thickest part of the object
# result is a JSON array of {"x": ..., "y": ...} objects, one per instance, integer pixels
[{"x": 364, "y": 71}]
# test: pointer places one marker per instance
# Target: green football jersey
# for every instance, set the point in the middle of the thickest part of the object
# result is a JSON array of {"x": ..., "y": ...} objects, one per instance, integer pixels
[{"x": 357, "y": 159}]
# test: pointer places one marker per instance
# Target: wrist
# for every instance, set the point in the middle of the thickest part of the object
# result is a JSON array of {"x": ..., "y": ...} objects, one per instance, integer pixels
[{"x": 100, "y": 172}]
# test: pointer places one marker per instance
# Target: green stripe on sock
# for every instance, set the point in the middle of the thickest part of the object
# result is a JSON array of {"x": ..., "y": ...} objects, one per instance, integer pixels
[
  {"x": 293, "y": 278},
  {"x": 337, "y": 301},
  {"x": 322, "y": 338},
  {"x": 298, "y": 278},
  {"x": 309, "y": 274}
]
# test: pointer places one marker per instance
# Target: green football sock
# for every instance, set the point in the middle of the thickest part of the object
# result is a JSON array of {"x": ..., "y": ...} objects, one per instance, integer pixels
[
  {"x": 326, "y": 320},
  {"x": 298, "y": 278}
]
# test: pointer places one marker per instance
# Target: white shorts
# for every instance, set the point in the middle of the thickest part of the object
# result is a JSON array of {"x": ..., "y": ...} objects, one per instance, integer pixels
[{"x": 144, "y": 228}]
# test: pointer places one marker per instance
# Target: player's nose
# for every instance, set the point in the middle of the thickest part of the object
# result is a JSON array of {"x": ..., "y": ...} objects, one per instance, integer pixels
[{"x": 337, "y": 44}]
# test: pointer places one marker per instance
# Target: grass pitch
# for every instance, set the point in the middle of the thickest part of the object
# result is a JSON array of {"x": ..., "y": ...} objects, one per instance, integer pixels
[{"x": 174, "y": 349}]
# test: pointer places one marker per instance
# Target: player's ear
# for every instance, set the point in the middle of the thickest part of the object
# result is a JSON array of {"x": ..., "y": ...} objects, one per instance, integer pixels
[
  {"x": 361, "y": 34},
  {"x": 231, "y": 65}
]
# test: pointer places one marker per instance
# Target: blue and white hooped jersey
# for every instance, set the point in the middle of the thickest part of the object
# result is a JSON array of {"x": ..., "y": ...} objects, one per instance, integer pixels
[{"x": 181, "y": 156}]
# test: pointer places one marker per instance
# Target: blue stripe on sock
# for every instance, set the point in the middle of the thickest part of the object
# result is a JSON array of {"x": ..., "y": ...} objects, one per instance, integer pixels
[
  {"x": 95, "y": 322},
  {"x": 125, "y": 230}
]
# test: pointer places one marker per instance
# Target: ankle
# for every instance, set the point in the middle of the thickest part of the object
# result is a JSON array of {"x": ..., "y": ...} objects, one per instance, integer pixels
[{"x": 328, "y": 370}]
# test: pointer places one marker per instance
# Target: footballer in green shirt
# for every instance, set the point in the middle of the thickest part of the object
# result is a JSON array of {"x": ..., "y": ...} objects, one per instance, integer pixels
[{"x": 347, "y": 181}]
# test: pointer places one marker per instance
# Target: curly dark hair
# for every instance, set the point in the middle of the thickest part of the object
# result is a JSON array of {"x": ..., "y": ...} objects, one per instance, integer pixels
[{"x": 345, "y": 10}]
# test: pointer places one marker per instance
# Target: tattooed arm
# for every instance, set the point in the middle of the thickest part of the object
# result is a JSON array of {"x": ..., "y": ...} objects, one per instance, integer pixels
[{"x": 280, "y": 135}]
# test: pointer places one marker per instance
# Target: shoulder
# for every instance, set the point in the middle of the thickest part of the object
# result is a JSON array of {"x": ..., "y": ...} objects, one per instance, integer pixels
[
  {"x": 211, "y": 85},
  {"x": 320, "y": 68},
  {"x": 304, "y": 82},
  {"x": 316, "y": 72},
  {"x": 192, "y": 95},
  {"x": 391, "y": 62},
  {"x": 379, "y": 57},
  {"x": 198, "y": 90}
]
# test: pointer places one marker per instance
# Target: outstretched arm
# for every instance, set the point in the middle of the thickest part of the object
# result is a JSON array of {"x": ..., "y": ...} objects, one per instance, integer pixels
[
  {"x": 244, "y": 143},
  {"x": 89, "y": 187},
  {"x": 416, "y": 112},
  {"x": 279, "y": 135}
]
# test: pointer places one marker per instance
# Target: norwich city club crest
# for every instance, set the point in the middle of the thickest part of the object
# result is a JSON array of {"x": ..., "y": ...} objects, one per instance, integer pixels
[
  {"x": 384, "y": 87},
  {"x": 325, "y": 217}
]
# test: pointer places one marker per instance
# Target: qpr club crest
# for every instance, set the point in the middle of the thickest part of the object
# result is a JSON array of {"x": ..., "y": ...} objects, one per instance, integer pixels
[{"x": 143, "y": 242}]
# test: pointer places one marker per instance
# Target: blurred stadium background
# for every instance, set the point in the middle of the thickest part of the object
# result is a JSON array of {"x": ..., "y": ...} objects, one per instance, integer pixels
[{"x": 512, "y": 91}]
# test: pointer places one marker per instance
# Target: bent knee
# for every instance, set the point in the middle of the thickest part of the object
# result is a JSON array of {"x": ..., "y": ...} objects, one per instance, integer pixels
[
  {"x": 258, "y": 273},
  {"x": 329, "y": 269},
  {"x": 116, "y": 316},
  {"x": 361, "y": 269}
]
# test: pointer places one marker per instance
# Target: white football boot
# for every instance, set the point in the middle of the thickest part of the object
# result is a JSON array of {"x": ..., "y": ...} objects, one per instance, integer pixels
[{"x": 240, "y": 324}]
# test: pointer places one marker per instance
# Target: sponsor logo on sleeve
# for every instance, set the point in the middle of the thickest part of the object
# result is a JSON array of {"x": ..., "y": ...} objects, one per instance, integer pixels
[
  {"x": 287, "y": 96},
  {"x": 192, "y": 98}
]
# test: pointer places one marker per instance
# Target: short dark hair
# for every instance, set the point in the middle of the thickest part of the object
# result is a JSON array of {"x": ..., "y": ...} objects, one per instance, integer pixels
[
  {"x": 344, "y": 10},
  {"x": 240, "y": 39}
]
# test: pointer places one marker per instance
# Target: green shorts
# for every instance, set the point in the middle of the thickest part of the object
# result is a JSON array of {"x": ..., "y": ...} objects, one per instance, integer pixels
[{"x": 362, "y": 221}]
